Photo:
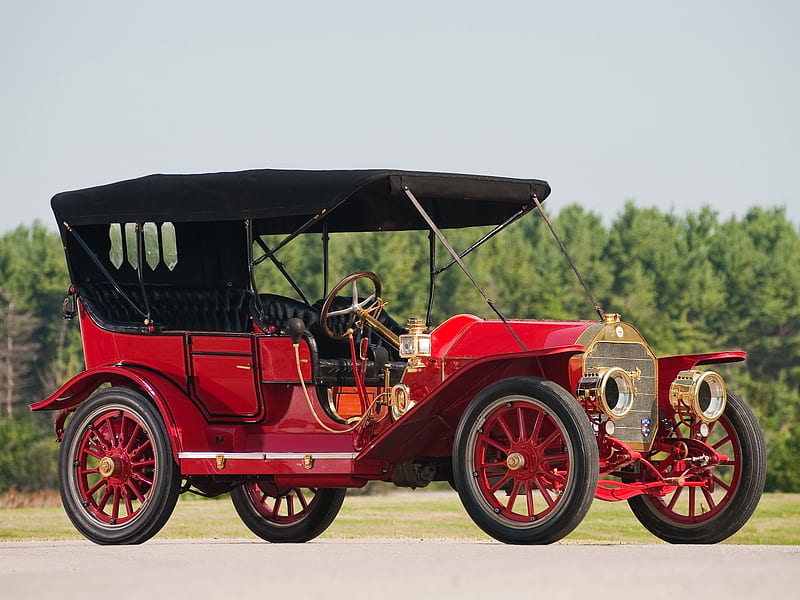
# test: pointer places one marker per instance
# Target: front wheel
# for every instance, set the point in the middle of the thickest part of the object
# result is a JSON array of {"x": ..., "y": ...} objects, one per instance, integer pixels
[
  {"x": 730, "y": 492},
  {"x": 117, "y": 478},
  {"x": 286, "y": 514},
  {"x": 525, "y": 461}
]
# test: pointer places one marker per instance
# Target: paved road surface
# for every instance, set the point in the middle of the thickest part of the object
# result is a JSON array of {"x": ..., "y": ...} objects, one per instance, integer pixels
[{"x": 372, "y": 569}]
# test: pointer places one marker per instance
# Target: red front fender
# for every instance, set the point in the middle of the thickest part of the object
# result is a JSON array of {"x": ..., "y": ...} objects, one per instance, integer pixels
[
  {"x": 167, "y": 396},
  {"x": 427, "y": 429},
  {"x": 670, "y": 366}
]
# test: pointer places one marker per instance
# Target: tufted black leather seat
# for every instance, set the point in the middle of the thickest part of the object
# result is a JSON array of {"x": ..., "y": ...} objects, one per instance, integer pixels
[
  {"x": 277, "y": 310},
  {"x": 229, "y": 309},
  {"x": 189, "y": 308},
  {"x": 331, "y": 358}
]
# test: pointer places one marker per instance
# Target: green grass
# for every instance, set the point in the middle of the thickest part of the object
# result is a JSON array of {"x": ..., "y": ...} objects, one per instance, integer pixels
[{"x": 402, "y": 514}]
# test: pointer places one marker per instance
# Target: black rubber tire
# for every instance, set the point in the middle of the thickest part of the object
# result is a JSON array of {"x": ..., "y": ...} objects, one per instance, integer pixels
[
  {"x": 319, "y": 514},
  {"x": 740, "y": 502},
  {"x": 125, "y": 409},
  {"x": 564, "y": 415}
]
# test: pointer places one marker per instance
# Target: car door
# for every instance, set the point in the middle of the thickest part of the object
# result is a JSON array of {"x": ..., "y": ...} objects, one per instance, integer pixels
[{"x": 224, "y": 376}]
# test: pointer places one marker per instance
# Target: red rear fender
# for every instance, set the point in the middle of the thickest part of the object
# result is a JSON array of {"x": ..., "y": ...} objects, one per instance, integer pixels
[{"x": 172, "y": 402}]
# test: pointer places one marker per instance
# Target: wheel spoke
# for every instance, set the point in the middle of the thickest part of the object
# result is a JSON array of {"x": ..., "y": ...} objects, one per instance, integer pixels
[
  {"x": 529, "y": 499},
  {"x": 674, "y": 500},
  {"x": 115, "y": 504},
  {"x": 560, "y": 458},
  {"x": 550, "y": 439},
  {"x": 512, "y": 497},
  {"x": 284, "y": 506},
  {"x": 136, "y": 491},
  {"x": 302, "y": 498},
  {"x": 133, "y": 436},
  {"x": 143, "y": 478},
  {"x": 722, "y": 442},
  {"x": 142, "y": 463},
  {"x": 112, "y": 434},
  {"x": 504, "y": 426},
  {"x": 128, "y": 506},
  {"x": 99, "y": 442},
  {"x": 146, "y": 443},
  {"x": 101, "y": 505},
  {"x": 537, "y": 427},
  {"x": 709, "y": 498},
  {"x": 123, "y": 433},
  {"x": 492, "y": 442},
  {"x": 500, "y": 483},
  {"x": 554, "y": 477},
  {"x": 90, "y": 451},
  {"x": 692, "y": 501},
  {"x": 544, "y": 490},
  {"x": 721, "y": 483},
  {"x": 521, "y": 423},
  {"x": 91, "y": 491}
]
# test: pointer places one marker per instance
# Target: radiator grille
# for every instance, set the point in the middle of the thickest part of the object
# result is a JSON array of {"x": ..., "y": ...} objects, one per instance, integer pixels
[{"x": 638, "y": 427}]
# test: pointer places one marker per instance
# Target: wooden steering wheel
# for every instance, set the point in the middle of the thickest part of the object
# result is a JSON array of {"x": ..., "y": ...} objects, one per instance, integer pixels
[{"x": 371, "y": 304}]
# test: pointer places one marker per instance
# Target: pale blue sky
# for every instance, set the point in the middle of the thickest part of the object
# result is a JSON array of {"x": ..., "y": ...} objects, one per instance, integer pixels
[{"x": 674, "y": 104}]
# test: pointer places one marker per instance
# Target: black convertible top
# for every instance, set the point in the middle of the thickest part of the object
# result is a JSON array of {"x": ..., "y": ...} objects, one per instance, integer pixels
[{"x": 281, "y": 201}]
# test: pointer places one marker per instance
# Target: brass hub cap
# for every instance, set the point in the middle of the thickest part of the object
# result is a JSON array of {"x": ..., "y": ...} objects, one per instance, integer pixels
[
  {"x": 107, "y": 466},
  {"x": 515, "y": 461}
]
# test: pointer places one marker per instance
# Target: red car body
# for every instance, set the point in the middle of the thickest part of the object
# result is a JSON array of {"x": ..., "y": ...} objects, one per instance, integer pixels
[{"x": 245, "y": 403}]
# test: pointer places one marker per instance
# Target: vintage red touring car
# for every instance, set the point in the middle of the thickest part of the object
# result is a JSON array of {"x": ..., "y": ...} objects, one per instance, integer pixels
[{"x": 198, "y": 381}]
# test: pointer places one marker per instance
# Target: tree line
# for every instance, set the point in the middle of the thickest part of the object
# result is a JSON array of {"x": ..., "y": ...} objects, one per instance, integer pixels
[{"x": 691, "y": 283}]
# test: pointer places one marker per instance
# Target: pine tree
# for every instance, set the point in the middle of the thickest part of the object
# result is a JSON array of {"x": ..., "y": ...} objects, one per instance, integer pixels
[{"x": 19, "y": 351}]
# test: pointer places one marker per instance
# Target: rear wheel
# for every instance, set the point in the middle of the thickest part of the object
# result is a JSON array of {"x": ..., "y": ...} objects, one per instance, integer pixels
[
  {"x": 716, "y": 510},
  {"x": 525, "y": 461},
  {"x": 286, "y": 514},
  {"x": 117, "y": 478}
]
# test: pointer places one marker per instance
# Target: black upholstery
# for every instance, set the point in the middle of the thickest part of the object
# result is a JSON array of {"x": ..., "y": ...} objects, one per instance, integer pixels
[
  {"x": 339, "y": 371},
  {"x": 190, "y": 308},
  {"x": 228, "y": 309},
  {"x": 333, "y": 364},
  {"x": 275, "y": 312}
]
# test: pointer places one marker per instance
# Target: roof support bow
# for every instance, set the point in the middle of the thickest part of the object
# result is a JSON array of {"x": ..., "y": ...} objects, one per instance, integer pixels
[{"x": 437, "y": 232}]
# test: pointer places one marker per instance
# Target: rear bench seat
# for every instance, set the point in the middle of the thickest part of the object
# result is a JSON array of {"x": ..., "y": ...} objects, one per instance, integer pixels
[
  {"x": 189, "y": 308},
  {"x": 228, "y": 309}
]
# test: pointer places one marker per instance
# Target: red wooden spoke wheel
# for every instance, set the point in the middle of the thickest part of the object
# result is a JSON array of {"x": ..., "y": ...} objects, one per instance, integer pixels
[
  {"x": 730, "y": 491},
  {"x": 525, "y": 461},
  {"x": 118, "y": 480},
  {"x": 286, "y": 514}
]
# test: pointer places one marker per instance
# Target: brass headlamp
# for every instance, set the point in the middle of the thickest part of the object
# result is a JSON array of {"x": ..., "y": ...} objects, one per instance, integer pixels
[
  {"x": 700, "y": 393},
  {"x": 611, "y": 389}
]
